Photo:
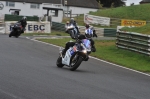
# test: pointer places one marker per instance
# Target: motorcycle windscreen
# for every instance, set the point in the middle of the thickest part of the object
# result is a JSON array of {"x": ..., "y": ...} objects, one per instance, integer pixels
[
  {"x": 87, "y": 43},
  {"x": 71, "y": 26}
]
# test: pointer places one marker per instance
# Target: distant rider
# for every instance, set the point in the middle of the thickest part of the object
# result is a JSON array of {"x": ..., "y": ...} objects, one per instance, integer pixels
[
  {"x": 90, "y": 26},
  {"x": 72, "y": 21},
  {"x": 66, "y": 26},
  {"x": 23, "y": 22}
]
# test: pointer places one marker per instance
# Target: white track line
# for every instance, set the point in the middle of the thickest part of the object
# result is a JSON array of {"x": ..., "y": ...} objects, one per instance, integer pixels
[
  {"x": 11, "y": 95},
  {"x": 96, "y": 59}
]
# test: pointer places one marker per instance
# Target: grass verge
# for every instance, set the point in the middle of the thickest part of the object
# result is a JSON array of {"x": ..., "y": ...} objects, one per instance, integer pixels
[{"x": 107, "y": 50}]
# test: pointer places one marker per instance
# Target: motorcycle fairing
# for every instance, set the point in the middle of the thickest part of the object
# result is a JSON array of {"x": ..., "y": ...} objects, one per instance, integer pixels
[
  {"x": 87, "y": 43},
  {"x": 66, "y": 59}
]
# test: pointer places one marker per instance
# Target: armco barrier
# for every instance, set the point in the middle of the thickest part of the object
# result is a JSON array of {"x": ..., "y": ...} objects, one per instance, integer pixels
[
  {"x": 134, "y": 42},
  {"x": 110, "y": 32},
  {"x": 58, "y": 26}
]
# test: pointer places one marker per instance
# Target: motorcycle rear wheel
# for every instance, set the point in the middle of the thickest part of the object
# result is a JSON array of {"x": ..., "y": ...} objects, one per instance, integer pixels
[
  {"x": 76, "y": 64},
  {"x": 59, "y": 62}
]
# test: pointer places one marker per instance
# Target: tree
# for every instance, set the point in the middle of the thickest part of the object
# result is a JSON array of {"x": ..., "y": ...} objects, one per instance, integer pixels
[
  {"x": 108, "y": 3},
  {"x": 100, "y": 5}
]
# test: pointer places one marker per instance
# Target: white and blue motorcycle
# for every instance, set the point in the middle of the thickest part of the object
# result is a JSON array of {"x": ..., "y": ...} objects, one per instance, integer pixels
[
  {"x": 72, "y": 31},
  {"x": 75, "y": 55}
]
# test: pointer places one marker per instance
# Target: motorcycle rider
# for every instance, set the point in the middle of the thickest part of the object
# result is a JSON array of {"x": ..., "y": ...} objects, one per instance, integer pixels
[
  {"x": 23, "y": 22},
  {"x": 66, "y": 26},
  {"x": 72, "y": 21},
  {"x": 88, "y": 35},
  {"x": 90, "y": 26}
]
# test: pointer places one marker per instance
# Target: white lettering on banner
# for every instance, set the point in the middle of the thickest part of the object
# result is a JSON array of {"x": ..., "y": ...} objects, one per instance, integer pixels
[
  {"x": 91, "y": 19},
  {"x": 32, "y": 27}
]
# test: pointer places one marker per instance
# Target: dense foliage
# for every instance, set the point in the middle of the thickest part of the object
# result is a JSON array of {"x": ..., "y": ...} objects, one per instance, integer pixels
[{"x": 110, "y": 3}]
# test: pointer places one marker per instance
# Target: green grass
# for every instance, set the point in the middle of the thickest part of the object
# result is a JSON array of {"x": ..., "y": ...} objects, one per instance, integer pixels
[
  {"x": 136, "y": 12},
  {"x": 79, "y": 20},
  {"x": 107, "y": 50},
  {"x": 53, "y": 33},
  {"x": 139, "y": 12}
]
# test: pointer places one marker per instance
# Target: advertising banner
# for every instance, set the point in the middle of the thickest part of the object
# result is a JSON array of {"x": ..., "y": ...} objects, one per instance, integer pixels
[
  {"x": 133, "y": 23},
  {"x": 91, "y": 19},
  {"x": 32, "y": 27}
]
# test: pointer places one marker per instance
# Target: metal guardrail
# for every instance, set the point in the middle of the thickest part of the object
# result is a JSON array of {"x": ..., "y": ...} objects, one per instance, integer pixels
[
  {"x": 133, "y": 41},
  {"x": 110, "y": 32},
  {"x": 58, "y": 26}
]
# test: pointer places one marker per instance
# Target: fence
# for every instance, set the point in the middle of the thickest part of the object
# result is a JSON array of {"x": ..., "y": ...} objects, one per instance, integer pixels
[
  {"x": 9, "y": 17},
  {"x": 134, "y": 42},
  {"x": 58, "y": 26},
  {"x": 110, "y": 32}
]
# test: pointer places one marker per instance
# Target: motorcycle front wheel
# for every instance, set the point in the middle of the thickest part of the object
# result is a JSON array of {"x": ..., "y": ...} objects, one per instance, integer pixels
[
  {"x": 17, "y": 36},
  {"x": 75, "y": 63},
  {"x": 72, "y": 34},
  {"x": 59, "y": 62},
  {"x": 10, "y": 34}
]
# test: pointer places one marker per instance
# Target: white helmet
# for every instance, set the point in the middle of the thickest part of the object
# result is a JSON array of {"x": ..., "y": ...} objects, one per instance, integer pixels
[
  {"x": 72, "y": 20},
  {"x": 89, "y": 33},
  {"x": 24, "y": 18}
]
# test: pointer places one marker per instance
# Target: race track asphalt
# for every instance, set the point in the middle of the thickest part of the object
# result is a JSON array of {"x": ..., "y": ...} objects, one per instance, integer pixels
[{"x": 28, "y": 71}]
